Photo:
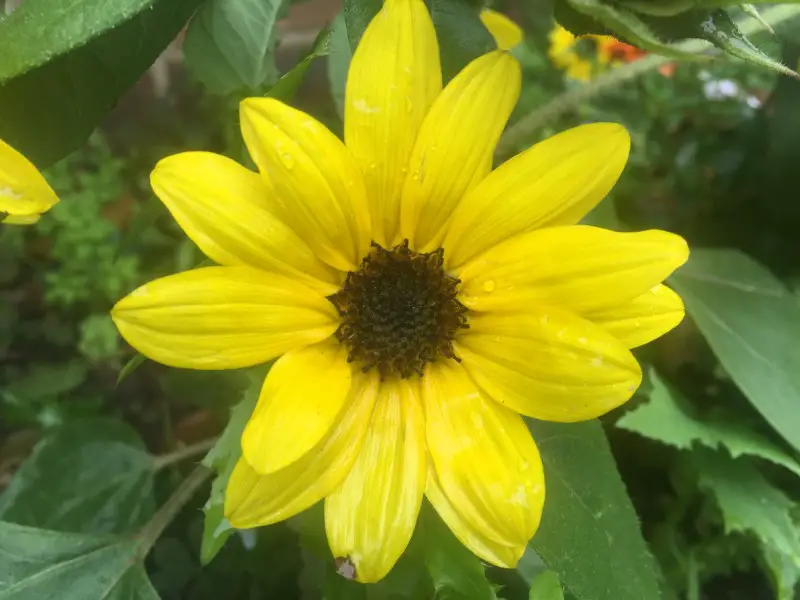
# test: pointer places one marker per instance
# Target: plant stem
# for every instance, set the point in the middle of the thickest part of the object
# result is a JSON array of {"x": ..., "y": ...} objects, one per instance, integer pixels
[
  {"x": 522, "y": 129},
  {"x": 150, "y": 533},
  {"x": 167, "y": 460}
]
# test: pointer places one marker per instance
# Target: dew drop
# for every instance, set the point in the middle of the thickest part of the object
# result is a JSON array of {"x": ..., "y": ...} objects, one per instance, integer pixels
[{"x": 489, "y": 286}]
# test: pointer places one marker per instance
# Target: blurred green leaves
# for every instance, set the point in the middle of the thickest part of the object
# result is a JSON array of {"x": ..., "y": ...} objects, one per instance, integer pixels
[
  {"x": 589, "y": 533},
  {"x": 752, "y": 322},
  {"x": 63, "y": 66}
]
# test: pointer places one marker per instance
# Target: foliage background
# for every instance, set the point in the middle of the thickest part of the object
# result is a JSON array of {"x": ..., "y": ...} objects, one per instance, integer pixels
[{"x": 94, "y": 442}]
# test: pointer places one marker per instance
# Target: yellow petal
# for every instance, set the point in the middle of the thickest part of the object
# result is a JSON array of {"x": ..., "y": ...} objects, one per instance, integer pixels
[
  {"x": 642, "y": 319},
  {"x": 315, "y": 184},
  {"x": 548, "y": 364},
  {"x": 556, "y": 182},
  {"x": 223, "y": 208},
  {"x": 23, "y": 191},
  {"x": 505, "y": 32},
  {"x": 20, "y": 219},
  {"x": 486, "y": 463},
  {"x": 222, "y": 318},
  {"x": 485, "y": 548},
  {"x": 578, "y": 267},
  {"x": 394, "y": 78},
  {"x": 370, "y": 518},
  {"x": 252, "y": 500},
  {"x": 302, "y": 396},
  {"x": 454, "y": 149}
]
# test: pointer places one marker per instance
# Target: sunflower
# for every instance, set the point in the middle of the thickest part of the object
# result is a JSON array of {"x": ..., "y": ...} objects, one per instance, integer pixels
[
  {"x": 24, "y": 193},
  {"x": 417, "y": 301}
]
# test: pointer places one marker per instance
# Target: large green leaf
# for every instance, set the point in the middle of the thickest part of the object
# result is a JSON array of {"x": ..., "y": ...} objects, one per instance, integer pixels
[
  {"x": 286, "y": 87},
  {"x": 667, "y": 417},
  {"x": 222, "y": 458},
  {"x": 230, "y": 44},
  {"x": 751, "y": 504},
  {"x": 457, "y": 574},
  {"x": 357, "y": 15},
  {"x": 752, "y": 323},
  {"x": 63, "y": 66},
  {"x": 41, "y": 564},
  {"x": 589, "y": 533},
  {"x": 339, "y": 62},
  {"x": 88, "y": 477},
  {"x": 461, "y": 34},
  {"x": 546, "y": 586}
]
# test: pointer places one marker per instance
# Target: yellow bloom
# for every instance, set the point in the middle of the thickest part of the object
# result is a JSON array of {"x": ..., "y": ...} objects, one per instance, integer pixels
[
  {"x": 419, "y": 302},
  {"x": 24, "y": 193},
  {"x": 563, "y": 53},
  {"x": 505, "y": 32}
]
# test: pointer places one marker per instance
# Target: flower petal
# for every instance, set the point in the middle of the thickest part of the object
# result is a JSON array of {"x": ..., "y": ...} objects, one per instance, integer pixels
[
  {"x": 548, "y": 364},
  {"x": 224, "y": 209},
  {"x": 222, "y": 318},
  {"x": 315, "y": 184},
  {"x": 302, "y": 396},
  {"x": 486, "y": 463},
  {"x": 642, "y": 319},
  {"x": 485, "y": 548},
  {"x": 454, "y": 149},
  {"x": 394, "y": 78},
  {"x": 252, "y": 500},
  {"x": 505, "y": 32},
  {"x": 579, "y": 268},
  {"x": 23, "y": 190},
  {"x": 370, "y": 518},
  {"x": 556, "y": 182}
]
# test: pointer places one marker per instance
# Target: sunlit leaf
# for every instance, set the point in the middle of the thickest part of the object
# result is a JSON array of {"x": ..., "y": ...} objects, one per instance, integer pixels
[
  {"x": 752, "y": 322},
  {"x": 546, "y": 586},
  {"x": 589, "y": 533}
]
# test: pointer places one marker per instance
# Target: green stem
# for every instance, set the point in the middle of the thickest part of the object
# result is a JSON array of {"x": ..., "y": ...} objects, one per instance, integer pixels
[
  {"x": 155, "y": 527},
  {"x": 516, "y": 135},
  {"x": 167, "y": 460}
]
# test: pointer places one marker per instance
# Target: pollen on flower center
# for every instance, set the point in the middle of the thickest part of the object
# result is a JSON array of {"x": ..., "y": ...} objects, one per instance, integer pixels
[{"x": 399, "y": 311}]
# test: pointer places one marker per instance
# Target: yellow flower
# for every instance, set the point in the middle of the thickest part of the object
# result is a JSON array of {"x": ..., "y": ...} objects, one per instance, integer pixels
[
  {"x": 24, "y": 193},
  {"x": 563, "y": 53},
  {"x": 505, "y": 32},
  {"x": 419, "y": 302}
]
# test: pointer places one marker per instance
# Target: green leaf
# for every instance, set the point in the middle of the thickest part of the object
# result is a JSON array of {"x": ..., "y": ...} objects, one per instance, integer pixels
[
  {"x": 357, "y": 15},
  {"x": 88, "y": 477},
  {"x": 751, "y": 504},
  {"x": 65, "y": 64},
  {"x": 667, "y": 417},
  {"x": 752, "y": 323},
  {"x": 721, "y": 31},
  {"x": 222, "y": 458},
  {"x": 230, "y": 45},
  {"x": 130, "y": 366},
  {"x": 36, "y": 563},
  {"x": 46, "y": 381},
  {"x": 462, "y": 35},
  {"x": 339, "y": 62},
  {"x": 456, "y": 572},
  {"x": 286, "y": 87},
  {"x": 546, "y": 586},
  {"x": 589, "y": 533}
]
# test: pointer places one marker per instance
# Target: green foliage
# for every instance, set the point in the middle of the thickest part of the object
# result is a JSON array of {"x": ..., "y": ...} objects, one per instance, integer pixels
[
  {"x": 589, "y": 534},
  {"x": 546, "y": 587},
  {"x": 64, "y": 66},
  {"x": 752, "y": 322}
]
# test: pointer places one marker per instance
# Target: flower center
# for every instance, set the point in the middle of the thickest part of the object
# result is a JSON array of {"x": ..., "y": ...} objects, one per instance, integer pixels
[{"x": 399, "y": 311}]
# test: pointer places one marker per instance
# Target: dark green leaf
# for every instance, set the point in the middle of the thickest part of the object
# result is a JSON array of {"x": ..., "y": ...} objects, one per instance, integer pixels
[
  {"x": 589, "y": 533},
  {"x": 461, "y": 34},
  {"x": 357, "y": 15},
  {"x": 88, "y": 477},
  {"x": 65, "y": 64},
  {"x": 46, "y": 381},
  {"x": 230, "y": 44},
  {"x": 339, "y": 62},
  {"x": 546, "y": 587},
  {"x": 286, "y": 87},
  {"x": 667, "y": 417},
  {"x": 222, "y": 458},
  {"x": 36, "y": 563},
  {"x": 457, "y": 574},
  {"x": 752, "y": 322},
  {"x": 130, "y": 366}
]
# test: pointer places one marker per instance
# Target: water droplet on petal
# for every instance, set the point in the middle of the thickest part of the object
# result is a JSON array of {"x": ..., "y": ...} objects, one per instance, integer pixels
[{"x": 489, "y": 286}]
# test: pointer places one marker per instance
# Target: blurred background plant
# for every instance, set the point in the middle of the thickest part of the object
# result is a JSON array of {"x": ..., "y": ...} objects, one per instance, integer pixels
[{"x": 93, "y": 438}]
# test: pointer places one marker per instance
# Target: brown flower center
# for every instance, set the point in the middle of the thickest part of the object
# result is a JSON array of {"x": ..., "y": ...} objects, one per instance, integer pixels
[{"x": 399, "y": 311}]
